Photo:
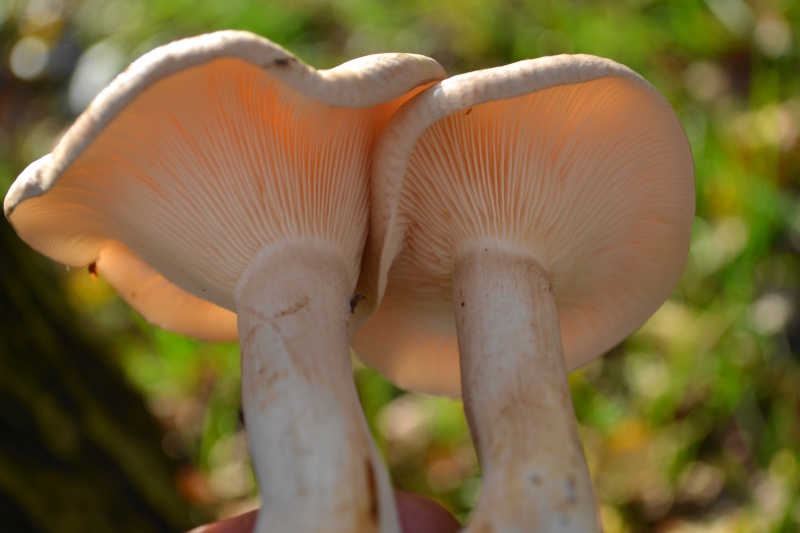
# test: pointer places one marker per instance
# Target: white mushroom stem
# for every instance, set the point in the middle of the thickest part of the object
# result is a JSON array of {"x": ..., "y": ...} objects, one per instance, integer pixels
[
  {"x": 317, "y": 465},
  {"x": 516, "y": 396}
]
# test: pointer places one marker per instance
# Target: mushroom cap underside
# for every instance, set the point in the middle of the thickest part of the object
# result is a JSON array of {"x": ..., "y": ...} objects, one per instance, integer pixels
[
  {"x": 200, "y": 154},
  {"x": 574, "y": 160}
]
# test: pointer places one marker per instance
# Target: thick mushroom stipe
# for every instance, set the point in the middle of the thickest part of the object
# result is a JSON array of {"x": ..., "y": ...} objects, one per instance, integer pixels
[
  {"x": 516, "y": 395},
  {"x": 304, "y": 411}
]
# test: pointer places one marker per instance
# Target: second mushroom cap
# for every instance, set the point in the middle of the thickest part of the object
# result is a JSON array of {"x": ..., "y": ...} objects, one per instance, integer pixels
[{"x": 576, "y": 160}]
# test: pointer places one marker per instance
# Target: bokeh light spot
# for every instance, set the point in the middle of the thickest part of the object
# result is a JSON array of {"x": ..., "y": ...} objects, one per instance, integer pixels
[
  {"x": 29, "y": 58},
  {"x": 96, "y": 68},
  {"x": 771, "y": 313},
  {"x": 43, "y": 12}
]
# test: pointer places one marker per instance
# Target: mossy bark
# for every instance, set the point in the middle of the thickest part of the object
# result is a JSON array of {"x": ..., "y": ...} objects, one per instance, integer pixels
[{"x": 79, "y": 452}]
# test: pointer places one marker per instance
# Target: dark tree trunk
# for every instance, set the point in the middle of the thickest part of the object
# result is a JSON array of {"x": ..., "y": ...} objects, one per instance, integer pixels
[{"x": 79, "y": 452}]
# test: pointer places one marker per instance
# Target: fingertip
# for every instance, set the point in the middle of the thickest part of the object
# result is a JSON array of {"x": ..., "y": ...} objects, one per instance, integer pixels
[
  {"x": 243, "y": 523},
  {"x": 419, "y": 514}
]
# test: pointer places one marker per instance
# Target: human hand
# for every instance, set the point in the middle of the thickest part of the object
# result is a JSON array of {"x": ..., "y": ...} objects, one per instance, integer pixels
[{"x": 418, "y": 514}]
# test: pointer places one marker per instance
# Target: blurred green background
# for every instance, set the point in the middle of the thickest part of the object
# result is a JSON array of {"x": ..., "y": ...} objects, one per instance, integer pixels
[{"x": 691, "y": 425}]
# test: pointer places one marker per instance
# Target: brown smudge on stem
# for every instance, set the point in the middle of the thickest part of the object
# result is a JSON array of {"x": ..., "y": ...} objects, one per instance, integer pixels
[{"x": 295, "y": 308}]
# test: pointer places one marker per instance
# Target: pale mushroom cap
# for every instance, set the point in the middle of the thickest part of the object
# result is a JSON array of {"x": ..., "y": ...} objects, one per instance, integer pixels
[
  {"x": 200, "y": 154},
  {"x": 576, "y": 159}
]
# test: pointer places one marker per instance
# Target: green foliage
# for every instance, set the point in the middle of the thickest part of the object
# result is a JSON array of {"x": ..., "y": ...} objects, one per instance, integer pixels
[{"x": 690, "y": 425}]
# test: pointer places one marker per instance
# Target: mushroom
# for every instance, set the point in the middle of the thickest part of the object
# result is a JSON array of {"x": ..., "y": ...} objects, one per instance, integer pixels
[
  {"x": 517, "y": 211},
  {"x": 221, "y": 184}
]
